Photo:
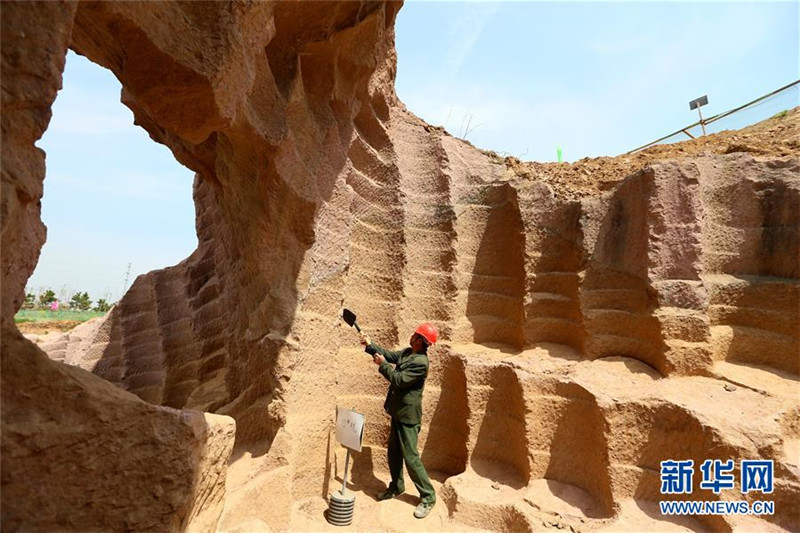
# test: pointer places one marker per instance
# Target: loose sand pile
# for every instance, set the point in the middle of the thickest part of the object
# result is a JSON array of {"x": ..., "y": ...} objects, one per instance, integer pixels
[
  {"x": 45, "y": 327},
  {"x": 777, "y": 137}
]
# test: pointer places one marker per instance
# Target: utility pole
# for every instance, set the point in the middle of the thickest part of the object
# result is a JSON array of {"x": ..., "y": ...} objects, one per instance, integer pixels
[{"x": 127, "y": 277}]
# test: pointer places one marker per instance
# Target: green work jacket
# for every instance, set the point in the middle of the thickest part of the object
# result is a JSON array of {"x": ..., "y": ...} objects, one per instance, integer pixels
[{"x": 406, "y": 381}]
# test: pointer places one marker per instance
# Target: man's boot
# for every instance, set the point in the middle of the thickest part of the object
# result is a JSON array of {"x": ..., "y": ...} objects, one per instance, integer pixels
[
  {"x": 388, "y": 494},
  {"x": 423, "y": 509}
]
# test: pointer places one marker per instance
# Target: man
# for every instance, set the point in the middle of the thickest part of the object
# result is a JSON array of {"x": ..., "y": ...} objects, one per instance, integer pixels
[{"x": 404, "y": 404}]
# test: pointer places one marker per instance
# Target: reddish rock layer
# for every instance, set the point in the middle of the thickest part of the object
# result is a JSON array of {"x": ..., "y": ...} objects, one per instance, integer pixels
[{"x": 79, "y": 454}]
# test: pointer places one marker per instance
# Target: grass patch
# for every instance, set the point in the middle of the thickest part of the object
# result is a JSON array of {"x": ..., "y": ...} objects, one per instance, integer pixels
[{"x": 43, "y": 315}]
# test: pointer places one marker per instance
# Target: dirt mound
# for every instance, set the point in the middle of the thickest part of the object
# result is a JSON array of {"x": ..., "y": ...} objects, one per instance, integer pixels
[
  {"x": 42, "y": 327},
  {"x": 775, "y": 137},
  {"x": 596, "y": 318}
]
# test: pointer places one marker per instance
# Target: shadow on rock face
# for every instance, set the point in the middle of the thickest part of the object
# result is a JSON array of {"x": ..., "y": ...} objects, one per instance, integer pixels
[
  {"x": 501, "y": 448},
  {"x": 445, "y": 448}
]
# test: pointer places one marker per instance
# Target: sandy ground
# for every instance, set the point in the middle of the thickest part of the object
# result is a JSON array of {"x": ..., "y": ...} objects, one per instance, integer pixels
[
  {"x": 487, "y": 497},
  {"x": 44, "y": 327}
]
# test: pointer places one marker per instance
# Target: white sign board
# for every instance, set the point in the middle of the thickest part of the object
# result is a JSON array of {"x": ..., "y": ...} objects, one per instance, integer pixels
[{"x": 349, "y": 428}]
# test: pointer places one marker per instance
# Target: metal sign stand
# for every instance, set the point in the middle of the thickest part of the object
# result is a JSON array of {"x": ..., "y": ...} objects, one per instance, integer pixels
[
  {"x": 343, "y": 502},
  {"x": 340, "y": 508},
  {"x": 697, "y": 104},
  {"x": 346, "y": 465}
]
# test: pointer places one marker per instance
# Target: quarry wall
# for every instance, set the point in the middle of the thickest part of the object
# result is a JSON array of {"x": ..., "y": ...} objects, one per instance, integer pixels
[{"x": 586, "y": 337}]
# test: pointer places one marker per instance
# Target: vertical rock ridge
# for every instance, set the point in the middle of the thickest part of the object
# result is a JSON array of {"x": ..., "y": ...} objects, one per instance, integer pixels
[
  {"x": 428, "y": 227},
  {"x": 554, "y": 258},
  {"x": 143, "y": 354}
]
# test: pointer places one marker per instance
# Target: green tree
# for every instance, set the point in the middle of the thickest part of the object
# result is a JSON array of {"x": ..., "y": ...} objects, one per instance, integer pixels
[
  {"x": 102, "y": 306},
  {"x": 86, "y": 302},
  {"x": 30, "y": 301},
  {"x": 46, "y": 298},
  {"x": 80, "y": 301}
]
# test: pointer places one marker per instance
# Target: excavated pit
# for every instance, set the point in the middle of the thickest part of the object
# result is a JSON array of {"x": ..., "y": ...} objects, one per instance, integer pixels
[{"x": 596, "y": 318}]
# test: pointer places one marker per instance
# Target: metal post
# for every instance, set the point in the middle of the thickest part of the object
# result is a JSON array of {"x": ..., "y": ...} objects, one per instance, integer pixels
[
  {"x": 702, "y": 123},
  {"x": 127, "y": 276},
  {"x": 698, "y": 103},
  {"x": 346, "y": 465}
]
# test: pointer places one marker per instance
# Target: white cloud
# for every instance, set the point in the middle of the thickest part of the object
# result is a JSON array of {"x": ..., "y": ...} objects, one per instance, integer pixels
[
  {"x": 516, "y": 125},
  {"x": 463, "y": 34}
]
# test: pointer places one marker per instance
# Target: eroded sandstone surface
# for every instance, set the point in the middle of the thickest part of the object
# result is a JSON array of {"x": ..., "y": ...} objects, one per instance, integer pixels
[{"x": 592, "y": 326}]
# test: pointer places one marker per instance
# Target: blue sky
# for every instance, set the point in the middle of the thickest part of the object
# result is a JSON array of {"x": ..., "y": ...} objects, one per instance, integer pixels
[
  {"x": 112, "y": 196},
  {"x": 594, "y": 78}
]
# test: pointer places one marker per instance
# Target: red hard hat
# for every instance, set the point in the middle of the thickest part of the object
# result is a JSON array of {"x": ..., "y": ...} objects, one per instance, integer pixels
[{"x": 428, "y": 331}]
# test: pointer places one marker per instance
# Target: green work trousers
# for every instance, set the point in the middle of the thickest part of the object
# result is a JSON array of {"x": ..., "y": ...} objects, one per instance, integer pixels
[{"x": 403, "y": 446}]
